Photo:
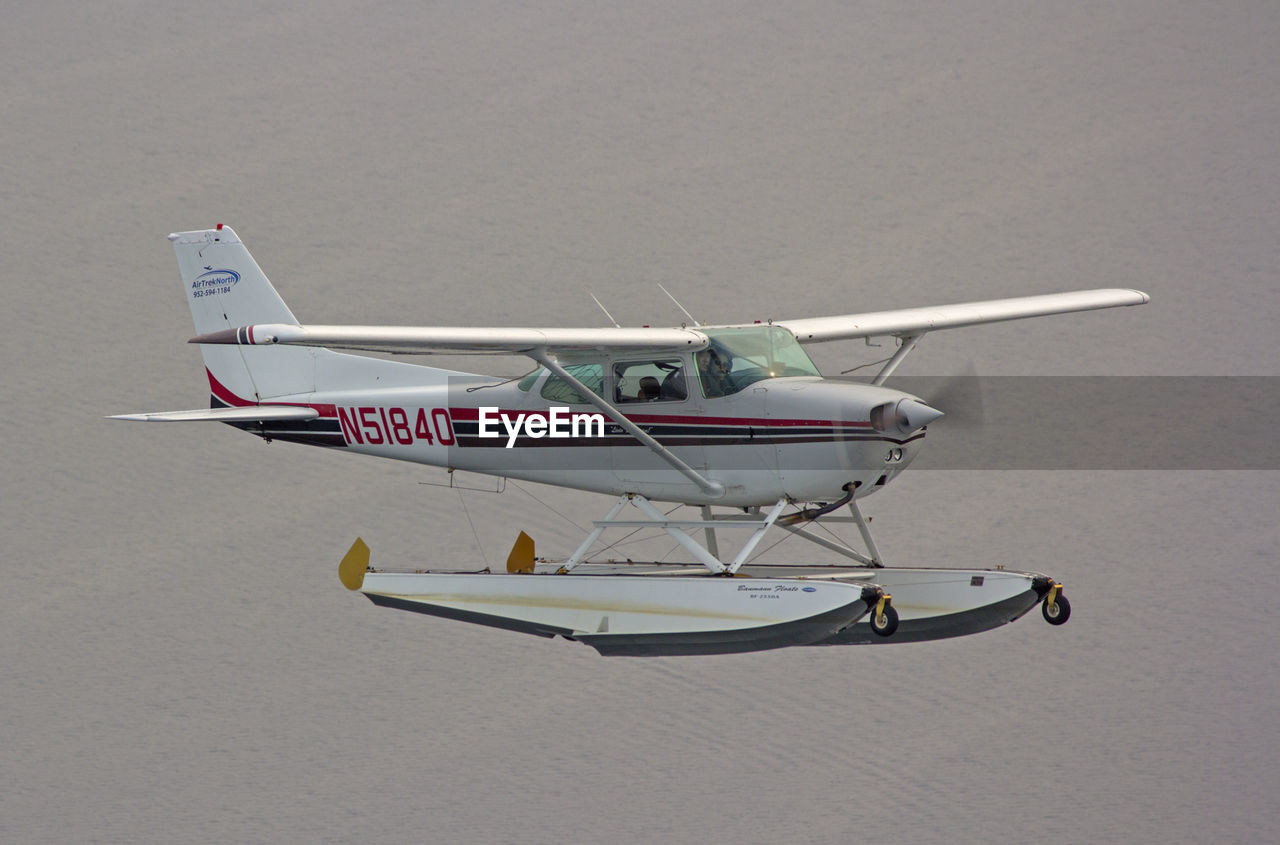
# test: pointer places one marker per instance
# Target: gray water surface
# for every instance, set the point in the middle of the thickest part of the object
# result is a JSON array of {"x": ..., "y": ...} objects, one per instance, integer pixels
[{"x": 178, "y": 661}]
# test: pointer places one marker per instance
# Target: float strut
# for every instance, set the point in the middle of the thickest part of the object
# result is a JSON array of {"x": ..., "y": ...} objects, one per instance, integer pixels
[{"x": 866, "y": 534}]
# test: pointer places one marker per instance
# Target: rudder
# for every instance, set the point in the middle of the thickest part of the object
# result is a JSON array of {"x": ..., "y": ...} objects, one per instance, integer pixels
[{"x": 227, "y": 289}]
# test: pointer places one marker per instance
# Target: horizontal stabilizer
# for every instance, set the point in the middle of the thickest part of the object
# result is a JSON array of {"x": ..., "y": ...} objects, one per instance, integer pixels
[{"x": 248, "y": 413}]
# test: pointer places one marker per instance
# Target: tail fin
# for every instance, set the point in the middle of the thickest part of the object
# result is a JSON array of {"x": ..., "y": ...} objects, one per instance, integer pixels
[{"x": 226, "y": 289}]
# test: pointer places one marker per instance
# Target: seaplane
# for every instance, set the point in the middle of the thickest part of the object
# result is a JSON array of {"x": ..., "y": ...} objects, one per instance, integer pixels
[{"x": 733, "y": 422}]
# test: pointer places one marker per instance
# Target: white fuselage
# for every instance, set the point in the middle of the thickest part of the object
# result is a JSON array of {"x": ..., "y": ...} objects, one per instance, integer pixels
[{"x": 801, "y": 438}]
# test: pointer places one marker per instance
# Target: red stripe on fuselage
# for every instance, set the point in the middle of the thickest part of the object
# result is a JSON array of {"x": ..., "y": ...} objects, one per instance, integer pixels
[
  {"x": 221, "y": 391},
  {"x": 473, "y": 414}
]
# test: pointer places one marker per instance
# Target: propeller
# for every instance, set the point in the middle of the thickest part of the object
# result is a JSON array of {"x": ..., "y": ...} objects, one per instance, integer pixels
[{"x": 958, "y": 396}]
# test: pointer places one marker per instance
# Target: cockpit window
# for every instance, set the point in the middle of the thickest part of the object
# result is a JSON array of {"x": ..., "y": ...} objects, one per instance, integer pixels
[
  {"x": 737, "y": 358},
  {"x": 557, "y": 389}
]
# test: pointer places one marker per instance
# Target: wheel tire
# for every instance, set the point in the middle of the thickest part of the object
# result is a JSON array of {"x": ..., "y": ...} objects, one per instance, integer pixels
[
  {"x": 890, "y": 622},
  {"x": 1061, "y": 612}
]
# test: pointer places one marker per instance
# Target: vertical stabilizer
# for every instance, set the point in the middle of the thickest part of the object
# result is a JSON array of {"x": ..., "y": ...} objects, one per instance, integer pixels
[{"x": 226, "y": 289}]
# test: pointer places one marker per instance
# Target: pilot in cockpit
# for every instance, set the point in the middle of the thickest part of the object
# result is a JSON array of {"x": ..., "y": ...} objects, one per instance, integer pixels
[{"x": 714, "y": 364}]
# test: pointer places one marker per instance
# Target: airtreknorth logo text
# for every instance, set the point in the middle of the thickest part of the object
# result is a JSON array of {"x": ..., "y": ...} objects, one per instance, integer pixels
[
  {"x": 213, "y": 282},
  {"x": 556, "y": 423}
]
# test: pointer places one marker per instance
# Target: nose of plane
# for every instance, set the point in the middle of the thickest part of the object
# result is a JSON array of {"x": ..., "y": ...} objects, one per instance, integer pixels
[
  {"x": 904, "y": 416},
  {"x": 916, "y": 414}
]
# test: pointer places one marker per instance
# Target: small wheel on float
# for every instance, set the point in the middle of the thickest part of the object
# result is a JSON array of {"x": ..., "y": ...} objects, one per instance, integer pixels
[
  {"x": 1058, "y": 612},
  {"x": 884, "y": 623}
]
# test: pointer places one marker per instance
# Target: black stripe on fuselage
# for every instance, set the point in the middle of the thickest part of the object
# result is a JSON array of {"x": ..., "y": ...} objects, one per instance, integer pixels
[
  {"x": 318, "y": 432},
  {"x": 468, "y": 436}
]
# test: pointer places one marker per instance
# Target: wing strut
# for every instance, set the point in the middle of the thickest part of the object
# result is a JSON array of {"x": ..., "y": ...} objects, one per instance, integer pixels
[
  {"x": 714, "y": 488},
  {"x": 908, "y": 343}
]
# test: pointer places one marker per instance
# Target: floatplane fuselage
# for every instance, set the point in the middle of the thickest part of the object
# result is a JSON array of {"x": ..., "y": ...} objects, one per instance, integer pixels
[{"x": 800, "y": 437}]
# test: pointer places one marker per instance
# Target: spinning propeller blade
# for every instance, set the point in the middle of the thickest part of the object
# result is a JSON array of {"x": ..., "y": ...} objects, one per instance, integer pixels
[{"x": 959, "y": 397}]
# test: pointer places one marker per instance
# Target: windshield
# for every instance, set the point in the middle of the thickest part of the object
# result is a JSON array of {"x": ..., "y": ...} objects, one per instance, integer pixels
[{"x": 737, "y": 358}]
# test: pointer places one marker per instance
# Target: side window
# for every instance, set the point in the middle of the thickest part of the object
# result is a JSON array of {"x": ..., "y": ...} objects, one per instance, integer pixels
[
  {"x": 649, "y": 381},
  {"x": 526, "y": 383},
  {"x": 556, "y": 389}
]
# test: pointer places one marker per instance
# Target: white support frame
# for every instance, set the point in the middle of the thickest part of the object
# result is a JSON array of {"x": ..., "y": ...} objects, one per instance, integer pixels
[
  {"x": 865, "y": 531},
  {"x": 874, "y": 560},
  {"x": 709, "y": 555},
  {"x": 674, "y": 528}
]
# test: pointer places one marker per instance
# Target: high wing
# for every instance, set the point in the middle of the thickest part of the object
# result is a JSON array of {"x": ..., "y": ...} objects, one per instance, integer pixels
[
  {"x": 248, "y": 413},
  {"x": 430, "y": 340},
  {"x": 908, "y": 322}
]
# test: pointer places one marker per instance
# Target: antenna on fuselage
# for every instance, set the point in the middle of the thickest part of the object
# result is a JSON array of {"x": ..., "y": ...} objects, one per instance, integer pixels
[
  {"x": 692, "y": 318},
  {"x": 605, "y": 310}
]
